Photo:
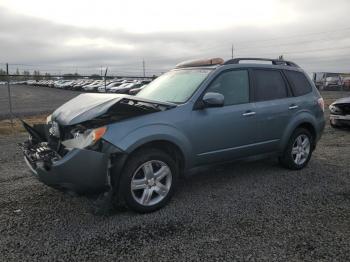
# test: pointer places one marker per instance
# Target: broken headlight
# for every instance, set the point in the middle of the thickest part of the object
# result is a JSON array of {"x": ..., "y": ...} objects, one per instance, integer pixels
[
  {"x": 334, "y": 109},
  {"x": 49, "y": 119},
  {"x": 85, "y": 139}
]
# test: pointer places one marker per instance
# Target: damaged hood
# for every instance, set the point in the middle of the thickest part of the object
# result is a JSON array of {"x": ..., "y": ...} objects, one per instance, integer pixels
[
  {"x": 343, "y": 100},
  {"x": 86, "y": 107}
]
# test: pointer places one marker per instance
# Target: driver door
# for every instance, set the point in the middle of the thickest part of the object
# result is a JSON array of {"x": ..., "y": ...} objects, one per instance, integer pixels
[{"x": 227, "y": 132}]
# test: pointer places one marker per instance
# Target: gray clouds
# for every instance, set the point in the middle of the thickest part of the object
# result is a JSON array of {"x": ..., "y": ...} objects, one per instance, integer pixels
[{"x": 319, "y": 40}]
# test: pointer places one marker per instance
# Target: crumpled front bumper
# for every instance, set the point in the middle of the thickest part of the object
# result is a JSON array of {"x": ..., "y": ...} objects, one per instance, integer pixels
[{"x": 80, "y": 170}]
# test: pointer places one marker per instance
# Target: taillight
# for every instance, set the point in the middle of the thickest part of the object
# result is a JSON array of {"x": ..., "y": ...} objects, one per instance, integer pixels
[{"x": 321, "y": 103}]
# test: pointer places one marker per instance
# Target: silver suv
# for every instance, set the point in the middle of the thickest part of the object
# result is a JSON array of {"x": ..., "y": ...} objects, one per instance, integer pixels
[{"x": 201, "y": 112}]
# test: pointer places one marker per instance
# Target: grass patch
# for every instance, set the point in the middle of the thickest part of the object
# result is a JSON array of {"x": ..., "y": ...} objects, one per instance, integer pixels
[{"x": 6, "y": 128}]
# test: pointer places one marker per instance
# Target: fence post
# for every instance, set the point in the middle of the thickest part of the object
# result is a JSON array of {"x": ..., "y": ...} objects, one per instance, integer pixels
[{"x": 9, "y": 93}]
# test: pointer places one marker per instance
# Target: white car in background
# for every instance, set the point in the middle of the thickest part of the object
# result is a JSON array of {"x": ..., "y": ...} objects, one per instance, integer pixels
[
  {"x": 102, "y": 89},
  {"x": 93, "y": 86},
  {"x": 125, "y": 88},
  {"x": 135, "y": 90}
]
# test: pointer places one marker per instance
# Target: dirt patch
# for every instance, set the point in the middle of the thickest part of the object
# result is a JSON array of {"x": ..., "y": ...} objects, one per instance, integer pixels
[{"x": 15, "y": 127}]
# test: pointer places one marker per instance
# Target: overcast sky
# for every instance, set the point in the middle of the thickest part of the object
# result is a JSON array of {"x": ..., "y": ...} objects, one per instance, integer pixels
[{"x": 62, "y": 36}]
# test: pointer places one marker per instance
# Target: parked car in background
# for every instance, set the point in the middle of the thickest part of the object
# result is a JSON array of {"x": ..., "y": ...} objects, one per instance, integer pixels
[
  {"x": 88, "y": 85},
  {"x": 122, "y": 89},
  {"x": 93, "y": 86},
  {"x": 103, "y": 89},
  {"x": 319, "y": 78},
  {"x": 30, "y": 82},
  {"x": 202, "y": 112},
  {"x": 346, "y": 83},
  {"x": 134, "y": 91},
  {"x": 340, "y": 112},
  {"x": 332, "y": 82}
]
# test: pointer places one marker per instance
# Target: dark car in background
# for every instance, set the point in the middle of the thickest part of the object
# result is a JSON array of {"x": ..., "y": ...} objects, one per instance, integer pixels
[{"x": 332, "y": 83}]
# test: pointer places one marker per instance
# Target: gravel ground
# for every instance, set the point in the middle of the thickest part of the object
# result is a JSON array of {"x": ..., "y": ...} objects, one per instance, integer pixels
[
  {"x": 30, "y": 100},
  {"x": 241, "y": 211}
]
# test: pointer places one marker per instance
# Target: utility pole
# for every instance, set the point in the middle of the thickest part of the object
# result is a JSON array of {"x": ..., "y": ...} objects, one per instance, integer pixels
[
  {"x": 105, "y": 78},
  {"x": 143, "y": 67},
  {"x": 9, "y": 93},
  {"x": 232, "y": 51}
]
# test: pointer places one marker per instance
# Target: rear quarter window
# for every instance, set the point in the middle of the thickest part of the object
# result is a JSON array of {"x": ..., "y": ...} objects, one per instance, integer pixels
[{"x": 299, "y": 83}]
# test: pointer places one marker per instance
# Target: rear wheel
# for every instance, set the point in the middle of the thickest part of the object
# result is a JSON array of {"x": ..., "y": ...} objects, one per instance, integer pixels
[
  {"x": 148, "y": 180},
  {"x": 299, "y": 150}
]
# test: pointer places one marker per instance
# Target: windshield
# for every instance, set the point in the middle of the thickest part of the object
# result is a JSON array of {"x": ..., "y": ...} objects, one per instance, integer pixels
[{"x": 175, "y": 86}]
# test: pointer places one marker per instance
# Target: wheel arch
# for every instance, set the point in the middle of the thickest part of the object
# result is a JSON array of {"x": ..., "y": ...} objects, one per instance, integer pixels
[
  {"x": 306, "y": 122},
  {"x": 167, "y": 146}
]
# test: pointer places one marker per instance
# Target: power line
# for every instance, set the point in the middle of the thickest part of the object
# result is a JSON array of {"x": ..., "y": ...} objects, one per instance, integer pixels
[{"x": 222, "y": 44}]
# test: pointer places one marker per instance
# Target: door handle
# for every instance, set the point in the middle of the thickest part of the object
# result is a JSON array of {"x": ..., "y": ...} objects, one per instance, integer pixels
[
  {"x": 248, "y": 113},
  {"x": 293, "y": 107}
]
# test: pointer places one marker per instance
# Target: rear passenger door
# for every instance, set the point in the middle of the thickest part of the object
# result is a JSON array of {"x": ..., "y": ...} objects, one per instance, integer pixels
[{"x": 274, "y": 107}]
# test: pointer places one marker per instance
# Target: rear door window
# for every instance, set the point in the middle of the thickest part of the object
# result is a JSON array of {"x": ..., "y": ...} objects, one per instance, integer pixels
[
  {"x": 233, "y": 85},
  {"x": 269, "y": 85},
  {"x": 299, "y": 83}
]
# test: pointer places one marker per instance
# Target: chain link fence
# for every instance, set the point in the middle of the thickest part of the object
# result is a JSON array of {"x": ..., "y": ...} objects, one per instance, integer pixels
[{"x": 32, "y": 93}]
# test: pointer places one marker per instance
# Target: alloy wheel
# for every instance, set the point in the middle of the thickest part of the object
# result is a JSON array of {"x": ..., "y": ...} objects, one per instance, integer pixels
[
  {"x": 151, "y": 182},
  {"x": 301, "y": 149}
]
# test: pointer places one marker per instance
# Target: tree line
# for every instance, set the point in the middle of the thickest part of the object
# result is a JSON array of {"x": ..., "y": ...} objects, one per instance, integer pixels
[{"x": 24, "y": 75}]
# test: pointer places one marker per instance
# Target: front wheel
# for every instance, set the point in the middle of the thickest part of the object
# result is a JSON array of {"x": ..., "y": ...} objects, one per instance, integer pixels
[
  {"x": 148, "y": 180},
  {"x": 299, "y": 150}
]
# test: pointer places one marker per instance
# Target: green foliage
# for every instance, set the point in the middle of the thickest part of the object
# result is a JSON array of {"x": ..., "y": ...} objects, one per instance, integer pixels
[
  {"x": 36, "y": 75},
  {"x": 95, "y": 76},
  {"x": 71, "y": 76},
  {"x": 47, "y": 76}
]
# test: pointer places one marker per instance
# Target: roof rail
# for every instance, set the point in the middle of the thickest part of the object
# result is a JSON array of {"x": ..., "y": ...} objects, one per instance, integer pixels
[{"x": 273, "y": 61}]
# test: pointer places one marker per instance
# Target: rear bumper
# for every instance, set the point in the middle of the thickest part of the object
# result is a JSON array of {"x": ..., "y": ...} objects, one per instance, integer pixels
[{"x": 80, "y": 170}]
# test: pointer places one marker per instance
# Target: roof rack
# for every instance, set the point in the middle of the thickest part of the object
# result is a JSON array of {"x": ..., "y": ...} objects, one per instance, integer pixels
[{"x": 273, "y": 61}]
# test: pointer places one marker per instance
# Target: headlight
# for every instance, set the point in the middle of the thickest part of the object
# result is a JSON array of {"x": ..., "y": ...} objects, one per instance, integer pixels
[
  {"x": 48, "y": 119},
  {"x": 334, "y": 109},
  {"x": 85, "y": 139}
]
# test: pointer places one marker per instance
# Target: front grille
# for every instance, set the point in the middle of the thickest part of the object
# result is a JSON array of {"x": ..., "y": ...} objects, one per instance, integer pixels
[
  {"x": 40, "y": 152},
  {"x": 345, "y": 109}
]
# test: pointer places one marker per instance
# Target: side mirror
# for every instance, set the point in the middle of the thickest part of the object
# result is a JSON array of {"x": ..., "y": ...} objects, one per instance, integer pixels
[{"x": 212, "y": 99}]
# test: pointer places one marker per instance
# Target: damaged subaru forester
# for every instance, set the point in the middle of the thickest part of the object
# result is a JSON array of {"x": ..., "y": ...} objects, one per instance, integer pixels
[{"x": 199, "y": 113}]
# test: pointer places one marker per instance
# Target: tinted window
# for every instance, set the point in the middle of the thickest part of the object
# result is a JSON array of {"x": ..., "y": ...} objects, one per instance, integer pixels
[
  {"x": 299, "y": 83},
  {"x": 234, "y": 85},
  {"x": 269, "y": 85}
]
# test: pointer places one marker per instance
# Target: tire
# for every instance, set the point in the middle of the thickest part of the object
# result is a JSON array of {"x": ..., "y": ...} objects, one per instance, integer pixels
[
  {"x": 290, "y": 158},
  {"x": 152, "y": 189}
]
